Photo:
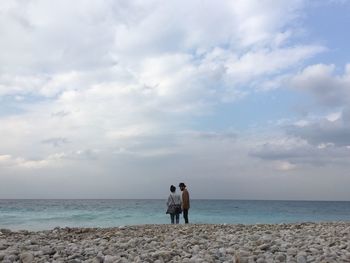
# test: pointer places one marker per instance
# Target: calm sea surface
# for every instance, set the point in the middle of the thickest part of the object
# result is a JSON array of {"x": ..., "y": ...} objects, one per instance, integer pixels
[{"x": 47, "y": 214}]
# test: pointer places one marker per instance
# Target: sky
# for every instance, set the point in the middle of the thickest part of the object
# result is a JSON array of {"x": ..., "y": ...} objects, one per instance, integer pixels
[{"x": 245, "y": 99}]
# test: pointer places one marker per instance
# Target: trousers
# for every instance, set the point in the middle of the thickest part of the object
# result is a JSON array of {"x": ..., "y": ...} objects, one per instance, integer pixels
[
  {"x": 185, "y": 211},
  {"x": 174, "y": 217}
]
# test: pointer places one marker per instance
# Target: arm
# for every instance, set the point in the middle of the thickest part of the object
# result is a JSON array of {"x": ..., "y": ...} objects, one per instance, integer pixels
[
  {"x": 185, "y": 200},
  {"x": 169, "y": 201}
]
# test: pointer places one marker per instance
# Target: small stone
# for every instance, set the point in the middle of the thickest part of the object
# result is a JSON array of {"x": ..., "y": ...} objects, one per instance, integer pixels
[
  {"x": 314, "y": 251},
  {"x": 281, "y": 258},
  {"x": 97, "y": 260},
  {"x": 5, "y": 231},
  {"x": 222, "y": 250},
  {"x": 195, "y": 249},
  {"x": 3, "y": 246},
  {"x": 292, "y": 251},
  {"x": 264, "y": 247},
  {"x": 11, "y": 257},
  {"x": 244, "y": 253},
  {"x": 48, "y": 250},
  {"x": 110, "y": 259},
  {"x": 28, "y": 242},
  {"x": 27, "y": 257},
  {"x": 260, "y": 260},
  {"x": 301, "y": 259}
]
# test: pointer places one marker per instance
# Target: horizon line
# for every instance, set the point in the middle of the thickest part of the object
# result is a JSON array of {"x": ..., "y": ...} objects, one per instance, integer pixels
[{"x": 199, "y": 199}]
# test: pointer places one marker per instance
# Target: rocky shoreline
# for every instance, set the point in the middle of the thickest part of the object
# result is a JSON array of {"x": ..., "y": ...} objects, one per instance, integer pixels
[{"x": 304, "y": 242}]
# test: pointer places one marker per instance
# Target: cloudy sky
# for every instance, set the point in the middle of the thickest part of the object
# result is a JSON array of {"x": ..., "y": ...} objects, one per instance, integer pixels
[{"x": 119, "y": 99}]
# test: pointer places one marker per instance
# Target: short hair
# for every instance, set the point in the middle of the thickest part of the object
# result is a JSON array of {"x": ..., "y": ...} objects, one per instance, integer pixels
[
  {"x": 172, "y": 188},
  {"x": 182, "y": 185}
]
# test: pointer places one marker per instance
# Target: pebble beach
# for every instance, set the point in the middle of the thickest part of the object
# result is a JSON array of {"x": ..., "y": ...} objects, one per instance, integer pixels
[{"x": 301, "y": 243}]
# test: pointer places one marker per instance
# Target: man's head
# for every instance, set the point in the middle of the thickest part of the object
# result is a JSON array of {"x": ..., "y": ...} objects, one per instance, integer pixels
[{"x": 182, "y": 186}]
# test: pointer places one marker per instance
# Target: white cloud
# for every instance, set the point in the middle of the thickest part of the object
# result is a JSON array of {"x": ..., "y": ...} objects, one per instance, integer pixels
[
  {"x": 267, "y": 62},
  {"x": 22, "y": 163},
  {"x": 94, "y": 38},
  {"x": 116, "y": 86},
  {"x": 321, "y": 81},
  {"x": 131, "y": 132},
  {"x": 5, "y": 158},
  {"x": 331, "y": 91},
  {"x": 321, "y": 137},
  {"x": 285, "y": 166},
  {"x": 324, "y": 130},
  {"x": 334, "y": 116},
  {"x": 291, "y": 152}
]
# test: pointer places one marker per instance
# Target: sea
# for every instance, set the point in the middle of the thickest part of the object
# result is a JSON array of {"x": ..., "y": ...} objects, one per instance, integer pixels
[{"x": 47, "y": 214}]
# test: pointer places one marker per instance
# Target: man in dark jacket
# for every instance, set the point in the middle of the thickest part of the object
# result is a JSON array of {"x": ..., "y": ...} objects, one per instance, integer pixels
[{"x": 185, "y": 201}]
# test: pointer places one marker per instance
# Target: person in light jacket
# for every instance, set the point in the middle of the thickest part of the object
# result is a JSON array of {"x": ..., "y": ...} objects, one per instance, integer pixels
[
  {"x": 185, "y": 201},
  {"x": 174, "y": 200}
]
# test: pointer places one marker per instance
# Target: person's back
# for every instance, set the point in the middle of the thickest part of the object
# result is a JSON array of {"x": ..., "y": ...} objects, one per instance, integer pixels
[
  {"x": 174, "y": 198},
  {"x": 185, "y": 201},
  {"x": 174, "y": 205}
]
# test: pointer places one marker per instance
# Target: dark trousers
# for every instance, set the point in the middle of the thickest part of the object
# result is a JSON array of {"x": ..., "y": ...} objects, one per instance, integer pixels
[
  {"x": 185, "y": 211},
  {"x": 174, "y": 217}
]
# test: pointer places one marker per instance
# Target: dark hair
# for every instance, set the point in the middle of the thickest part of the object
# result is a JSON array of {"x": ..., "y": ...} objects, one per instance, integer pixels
[
  {"x": 182, "y": 185},
  {"x": 172, "y": 188}
]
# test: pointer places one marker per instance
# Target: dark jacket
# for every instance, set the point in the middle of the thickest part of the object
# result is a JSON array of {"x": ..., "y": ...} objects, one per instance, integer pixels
[{"x": 185, "y": 199}]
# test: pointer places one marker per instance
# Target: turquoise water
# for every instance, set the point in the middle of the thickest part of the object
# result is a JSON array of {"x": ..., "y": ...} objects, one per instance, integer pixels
[{"x": 47, "y": 214}]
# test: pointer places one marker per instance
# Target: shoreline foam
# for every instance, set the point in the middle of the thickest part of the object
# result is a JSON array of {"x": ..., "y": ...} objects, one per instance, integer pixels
[{"x": 299, "y": 242}]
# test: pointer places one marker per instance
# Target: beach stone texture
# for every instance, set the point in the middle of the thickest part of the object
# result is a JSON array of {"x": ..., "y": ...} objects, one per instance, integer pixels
[{"x": 262, "y": 243}]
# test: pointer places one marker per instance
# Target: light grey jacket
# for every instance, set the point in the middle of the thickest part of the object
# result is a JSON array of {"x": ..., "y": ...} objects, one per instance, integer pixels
[{"x": 173, "y": 199}]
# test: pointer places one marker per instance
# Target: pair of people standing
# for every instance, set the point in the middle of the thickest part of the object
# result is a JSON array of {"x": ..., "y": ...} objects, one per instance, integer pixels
[{"x": 177, "y": 205}]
